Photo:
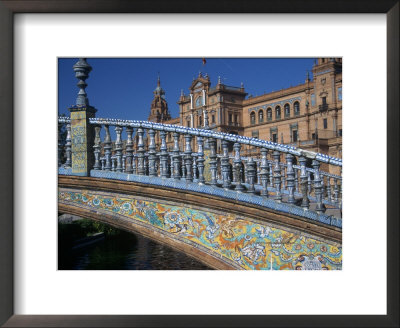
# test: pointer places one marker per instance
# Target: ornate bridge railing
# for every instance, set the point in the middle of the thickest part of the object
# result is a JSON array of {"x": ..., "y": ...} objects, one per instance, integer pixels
[{"x": 282, "y": 173}]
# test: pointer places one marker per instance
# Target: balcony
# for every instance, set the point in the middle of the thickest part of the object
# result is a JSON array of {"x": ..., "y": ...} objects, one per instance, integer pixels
[{"x": 323, "y": 107}]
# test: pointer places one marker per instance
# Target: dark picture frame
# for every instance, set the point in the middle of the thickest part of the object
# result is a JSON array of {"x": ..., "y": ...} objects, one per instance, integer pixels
[{"x": 10, "y": 7}]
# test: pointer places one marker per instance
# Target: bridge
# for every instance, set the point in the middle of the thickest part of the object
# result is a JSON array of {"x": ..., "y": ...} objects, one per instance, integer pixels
[{"x": 191, "y": 189}]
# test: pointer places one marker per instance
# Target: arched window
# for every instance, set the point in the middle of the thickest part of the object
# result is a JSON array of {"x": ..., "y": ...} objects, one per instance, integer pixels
[
  {"x": 278, "y": 112},
  {"x": 260, "y": 116},
  {"x": 269, "y": 114},
  {"x": 287, "y": 110},
  {"x": 199, "y": 101},
  {"x": 252, "y": 118},
  {"x": 296, "y": 106},
  {"x": 200, "y": 121}
]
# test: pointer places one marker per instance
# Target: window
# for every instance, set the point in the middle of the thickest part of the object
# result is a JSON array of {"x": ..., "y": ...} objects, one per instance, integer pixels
[
  {"x": 269, "y": 114},
  {"x": 296, "y": 108},
  {"x": 212, "y": 118},
  {"x": 274, "y": 137},
  {"x": 199, "y": 101},
  {"x": 187, "y": 107},
  {"x": 252, "y": 118},
  {"x": 323, "y": 100},
  {"x": 260, "y": 116},
  {"x": 278, "y": 112},
  {"x": 212, "y": 100},
  {"x": 255, "y": 134},
  {"x": 312, "y": 99},
  {"x": 236, "y": 118},
  {"x": 339, "y": 94},
  {"x": 200, "y": 121},
  {"x": 340, "y": 132},
  {"x": 325, "y": 123},
  {"x": 294, "y": 135},
  {"x": 287, "y": 110},
  {"x": 188, "y": 124},
  {"x": 230, "y": 118},
  {"x": 313, "y": 136}
]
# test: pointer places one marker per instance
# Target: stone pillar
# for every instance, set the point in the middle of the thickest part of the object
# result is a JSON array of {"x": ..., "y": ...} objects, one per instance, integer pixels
[{"x": 82, "y": 134}]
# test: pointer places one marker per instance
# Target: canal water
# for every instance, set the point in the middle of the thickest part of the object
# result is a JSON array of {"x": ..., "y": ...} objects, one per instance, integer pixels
[{"x": 124, "y": 251}]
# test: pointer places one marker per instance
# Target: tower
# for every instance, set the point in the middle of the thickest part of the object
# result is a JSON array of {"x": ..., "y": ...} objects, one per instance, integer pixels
[{"x": 159, "y": 107}]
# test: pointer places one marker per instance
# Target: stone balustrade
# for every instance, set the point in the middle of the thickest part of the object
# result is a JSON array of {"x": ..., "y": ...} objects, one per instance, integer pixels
[{"x": 281, "y": 172}]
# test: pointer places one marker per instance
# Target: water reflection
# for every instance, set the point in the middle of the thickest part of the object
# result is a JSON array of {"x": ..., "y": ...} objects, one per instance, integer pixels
[{"x": 125, "y": 251}]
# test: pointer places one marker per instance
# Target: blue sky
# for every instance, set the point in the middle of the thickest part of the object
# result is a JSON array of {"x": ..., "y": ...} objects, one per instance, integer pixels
[{"x": 123, "y": 87}]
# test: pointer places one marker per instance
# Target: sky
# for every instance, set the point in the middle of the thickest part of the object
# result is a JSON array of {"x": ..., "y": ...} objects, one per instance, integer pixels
[{"x": 123, "y": 87}]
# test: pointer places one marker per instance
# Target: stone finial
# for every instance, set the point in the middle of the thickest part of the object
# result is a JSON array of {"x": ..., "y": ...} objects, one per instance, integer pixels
[
  {"x": 182, "y": 94},
  {"x": 219, "y": 80},
  {"x": 241, "y": 85},
  {"x": 82, "y": 70}
]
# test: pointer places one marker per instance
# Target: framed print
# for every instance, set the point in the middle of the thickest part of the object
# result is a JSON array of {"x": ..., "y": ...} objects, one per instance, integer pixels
[{"x": 363, "y": 292}]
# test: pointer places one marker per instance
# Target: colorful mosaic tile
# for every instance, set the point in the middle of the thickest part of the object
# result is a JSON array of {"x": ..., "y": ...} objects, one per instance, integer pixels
[{"x": 241, "y": 242}]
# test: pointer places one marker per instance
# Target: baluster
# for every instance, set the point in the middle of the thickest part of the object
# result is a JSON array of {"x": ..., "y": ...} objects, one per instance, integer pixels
[
  {"x": 305, "y": 203},
  {"x": 188, "y": 158},
  {"x": 290, "y": 178},
  {"x": 264, "y": 172},
  {"x": 283, "y": 174},
  {"x": 97, "y": 146},
  {"x": 129, "y": 150},
  {"x": 194, "y": 155},
  {"x": 68, "y": 145},
  {"x": 134, "y": 157},
  {"x": 309, "y": 182},
  {"x": 258, "y": 170},
  {"x": 277, "y": 176},
  {"x": 318, "y": 187},
  {"x": 271, "y": 175},
  {"x": 107, "y": 148},
  {"x": 328, "y": 188},
  {"x": 140, "y": 152},
  {"x": 296, "y": 179},
  {"x": 152, "y": 154},
  {"x": 176, "y": 157},
  {"x": 103, "y": 161},
  {"x": 251, "y": 174},
  {"x": 183, "y": 166},
  {"x": 123, "y": 162},
  {"x": 213, "y": 161},
  {"x": 163, "y": 155},
  {"x": 225, "y": 167},
  {"x": 200, "y": 159},
  {"x": 237, "y": 162},
  {"x": 113, "y": 160},
  {"x": 336, "y": 191},
  {"x": 118, "y": 149}
]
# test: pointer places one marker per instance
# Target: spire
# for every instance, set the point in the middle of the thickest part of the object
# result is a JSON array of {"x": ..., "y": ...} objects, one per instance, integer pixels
[
  {"x": 159, "y": 91},
  {"x": 158, "y": 80},
  {"x": 308, "y": 77},
  {"x": 219, "y": 80},
  {"x": 182, "y": 94},
  {"x": 82, "y": 70}
]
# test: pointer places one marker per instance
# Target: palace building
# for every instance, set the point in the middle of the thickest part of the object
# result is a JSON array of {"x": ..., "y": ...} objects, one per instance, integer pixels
[{"x": 308, "y": 116}]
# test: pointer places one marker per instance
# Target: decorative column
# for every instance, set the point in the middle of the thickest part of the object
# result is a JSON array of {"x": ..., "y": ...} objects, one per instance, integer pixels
[
  {"x": 118, "y": 148},
  {"x": 97, "y": 146},
  {"x": 318, "y": 187},
  {"x": 264, "y": 172},
  {"x": 336, "y": 191},
  {"x": 152, "y": 154},
  {"x": 129, "y": 150},
  {"x": 140, "y": 152},
  {"x": 60, "y": 145},
  {"x": 194, "y": 156},
  {"x": 205, "y": 114},
  {"x": 188, "y": 158},
  {"x": 277, "y": 176},
  {"x": 200, "y": 160},
  {"x": 290, "y": 178},
  {"x": 176, "y": 157},
  {"x": 81, "y": 130},
  {"x": 68, "y": 145},
  {"x": 296, "y": 180},
  {"x": 163, "y": 155},
  {"x": 237, "y": 162},
  {"x": 305, "y": 203},
  {"x": 225, "y": 167},
  {"x": 271, "y": 175},
  {"x": 328, "y": 188},
  {"x": 213, "y": 161},
  {"x": 251, "y": 174},
  {"x": 107, "y": 148}
]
